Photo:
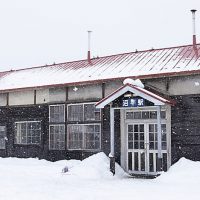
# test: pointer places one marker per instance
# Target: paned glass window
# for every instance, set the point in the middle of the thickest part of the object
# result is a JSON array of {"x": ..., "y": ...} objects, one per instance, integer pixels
[
  {"x": 57, "y": 113},
  {"x": 28, "y": 132},
  {"x": 153, "y": 137},
  {"x": 57, "y": 137},
  {"x": 57, "y": 127},
  {"x": 83, "y": 130},
  {"x": 75, "y": 112},
  {"x": 83, "y": 112},
  {"x": 144, "y": 115},
  {"x": 2, "y": 137},
  {"x": 84, "y": 136}
]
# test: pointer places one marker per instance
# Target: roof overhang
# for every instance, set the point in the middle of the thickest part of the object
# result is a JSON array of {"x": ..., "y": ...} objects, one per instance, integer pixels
[{"x": 137, "y": 91}]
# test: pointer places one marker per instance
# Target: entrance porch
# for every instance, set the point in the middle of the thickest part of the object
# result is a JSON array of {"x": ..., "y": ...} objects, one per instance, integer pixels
[{"x": 145, "y": 130}]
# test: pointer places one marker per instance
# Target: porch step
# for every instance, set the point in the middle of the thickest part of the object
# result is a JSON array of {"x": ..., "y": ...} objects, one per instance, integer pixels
[{"x": 143, "y": 176}]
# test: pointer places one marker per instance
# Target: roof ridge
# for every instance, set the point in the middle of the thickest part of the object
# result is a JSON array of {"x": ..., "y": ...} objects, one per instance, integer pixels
[{"x": 85, "y": 60}]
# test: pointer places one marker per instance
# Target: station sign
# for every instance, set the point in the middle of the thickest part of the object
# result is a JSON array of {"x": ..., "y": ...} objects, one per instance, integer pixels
[{"x": 133, "y": 102}]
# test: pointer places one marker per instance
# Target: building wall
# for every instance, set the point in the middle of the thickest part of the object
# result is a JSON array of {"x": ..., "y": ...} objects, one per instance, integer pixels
[
  {"x": 185, "y": 117},
  {"x": 85, "y": 92},
  {"x": 3, "y": 99},
  {"x": 42, "y": 96},
  {"x": 182, "y": 85},
  {"x": 21, "y": 98},
  {"x": 185, "y": 124},
  {"x": 57, "y": 94}
]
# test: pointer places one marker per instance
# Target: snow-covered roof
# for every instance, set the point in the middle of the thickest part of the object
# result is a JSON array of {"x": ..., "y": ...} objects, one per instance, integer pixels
[
  {"x": 138, "y": 91},
  {"x": 140, "y": 64}
]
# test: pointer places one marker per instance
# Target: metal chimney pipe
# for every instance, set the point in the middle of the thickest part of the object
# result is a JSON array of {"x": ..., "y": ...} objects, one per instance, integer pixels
[
  {"x": 194, "y": 28},
  {"x": 89, "y": 55}
]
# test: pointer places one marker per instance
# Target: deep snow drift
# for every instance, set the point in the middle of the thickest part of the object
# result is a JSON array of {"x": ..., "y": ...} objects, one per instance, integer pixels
[
  {"x": 91, "y": 179},
  {"x": 94, "y": 167}
]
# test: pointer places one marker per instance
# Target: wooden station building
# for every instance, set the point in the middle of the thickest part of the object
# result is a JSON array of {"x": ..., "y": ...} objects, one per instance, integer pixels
[{"x": 75, "y": 109}]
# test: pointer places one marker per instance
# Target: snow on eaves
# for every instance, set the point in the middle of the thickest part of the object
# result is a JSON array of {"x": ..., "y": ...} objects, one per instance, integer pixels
[{"x": 136, "y": 64}]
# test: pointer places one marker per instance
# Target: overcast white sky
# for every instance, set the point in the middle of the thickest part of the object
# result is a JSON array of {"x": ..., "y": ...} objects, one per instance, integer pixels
[{"x": 39, "y": 32}]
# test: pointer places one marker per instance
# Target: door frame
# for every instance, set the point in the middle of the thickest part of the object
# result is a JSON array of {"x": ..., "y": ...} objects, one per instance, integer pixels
[{"x": 124, "y": 135}]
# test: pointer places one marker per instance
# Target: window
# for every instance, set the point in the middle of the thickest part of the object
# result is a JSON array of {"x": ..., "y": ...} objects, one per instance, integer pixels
[
  {"x": 83, "y": 112},
  {"x": 144, "y": 115},
  {"x": 57, "y": 137},
  {"x": 57, "y": 113},
  {"x": 75, "y": 112},
  {"x": 153, "y": 140},
  {"x": 28, "y": 132},
  {"x": 84, "y": 136},
  {"x": 2, "y": 137},
  {"x": 57, "y": 127}
]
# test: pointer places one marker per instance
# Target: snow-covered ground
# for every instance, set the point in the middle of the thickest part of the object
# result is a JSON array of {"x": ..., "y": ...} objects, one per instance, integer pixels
[{"x": 28, "y": 179}]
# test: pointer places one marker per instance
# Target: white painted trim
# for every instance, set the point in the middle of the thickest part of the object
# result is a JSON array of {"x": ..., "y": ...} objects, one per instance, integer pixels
[
  {"x": 159, "y": 134},
  {"x": 123, "y": 140},
  {"x": 136, "y": 92},
  {"x": 112, "y": 132},
  {"x": 168, "y": 126}
]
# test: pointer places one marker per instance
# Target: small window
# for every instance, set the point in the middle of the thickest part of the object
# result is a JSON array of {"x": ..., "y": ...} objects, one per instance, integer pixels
[
  {"x": 2, "y": 137},
  {"x": 57, "y": 137},
  {"x": 75, "y": 112},
  {"x": 91, "y": 113},
  {"x": 28, "y": 132},
  {"x": 144, "y": 115},
  {"x": 84, "y": 136},
  {"x": 83, "y": 112},
  {"x": 57, "y": 113},
  {"x": 129, "y": 115}
]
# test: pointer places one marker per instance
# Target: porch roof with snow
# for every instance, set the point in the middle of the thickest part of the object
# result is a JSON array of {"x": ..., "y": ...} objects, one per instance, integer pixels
[
  {"x": 173, "y": 61},
  {"x": 137, "y": 91}
]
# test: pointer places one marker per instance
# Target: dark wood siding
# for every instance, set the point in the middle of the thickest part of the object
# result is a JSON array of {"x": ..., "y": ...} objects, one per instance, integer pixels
[
  {"x": 105, "y": 141},
  {"x": 186, "y": 128},
  {"x": 9, "y": 115}
]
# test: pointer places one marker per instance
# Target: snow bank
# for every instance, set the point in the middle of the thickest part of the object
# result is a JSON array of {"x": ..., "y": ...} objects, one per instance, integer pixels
[
  {"x": 136, "y": 82},
  {"x": 94, "y": 167},
  {"x": 90, "y": 179},
  {"x": 184, "y": 170}
]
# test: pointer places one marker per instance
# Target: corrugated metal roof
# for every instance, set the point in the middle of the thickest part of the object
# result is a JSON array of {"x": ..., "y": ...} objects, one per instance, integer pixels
[{"x": 140, "y": 64}]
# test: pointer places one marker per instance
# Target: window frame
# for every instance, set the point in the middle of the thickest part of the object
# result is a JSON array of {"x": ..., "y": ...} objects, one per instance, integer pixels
[
  {"x": 142, "y": 111},
  {"x": 83, "y": 133},
  {"x": 83, "y": 117},
  {"x": 27, "y": 144},
  {"x": 64, "y": 137},
  {"x": 63, "y": 123},
  {"x": 53, "y": 105},
  {"x": 84, "y": 122},
  {"x": 5, "y": 136}
]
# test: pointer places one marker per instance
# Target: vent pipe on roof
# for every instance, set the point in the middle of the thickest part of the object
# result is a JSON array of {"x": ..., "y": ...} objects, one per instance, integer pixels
[
  {"x": 194, "y": 30},
  {"x": 89, "y": 55}
]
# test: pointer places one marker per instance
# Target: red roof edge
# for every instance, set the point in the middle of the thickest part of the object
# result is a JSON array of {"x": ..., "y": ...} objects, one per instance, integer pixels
[{"x": 85, "y": 60}]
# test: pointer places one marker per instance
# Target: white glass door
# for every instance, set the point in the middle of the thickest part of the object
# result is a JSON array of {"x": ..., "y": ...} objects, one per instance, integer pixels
[{"x": 143, "y": 148}]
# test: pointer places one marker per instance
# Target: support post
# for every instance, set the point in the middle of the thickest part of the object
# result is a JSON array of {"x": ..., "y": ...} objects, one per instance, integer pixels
[
  {"x": 112, "y": 141},
  {"x": 159, "y": 138}
]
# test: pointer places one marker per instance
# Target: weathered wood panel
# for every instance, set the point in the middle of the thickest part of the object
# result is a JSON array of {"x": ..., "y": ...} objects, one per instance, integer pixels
[{"x": 186, "y": 128}]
